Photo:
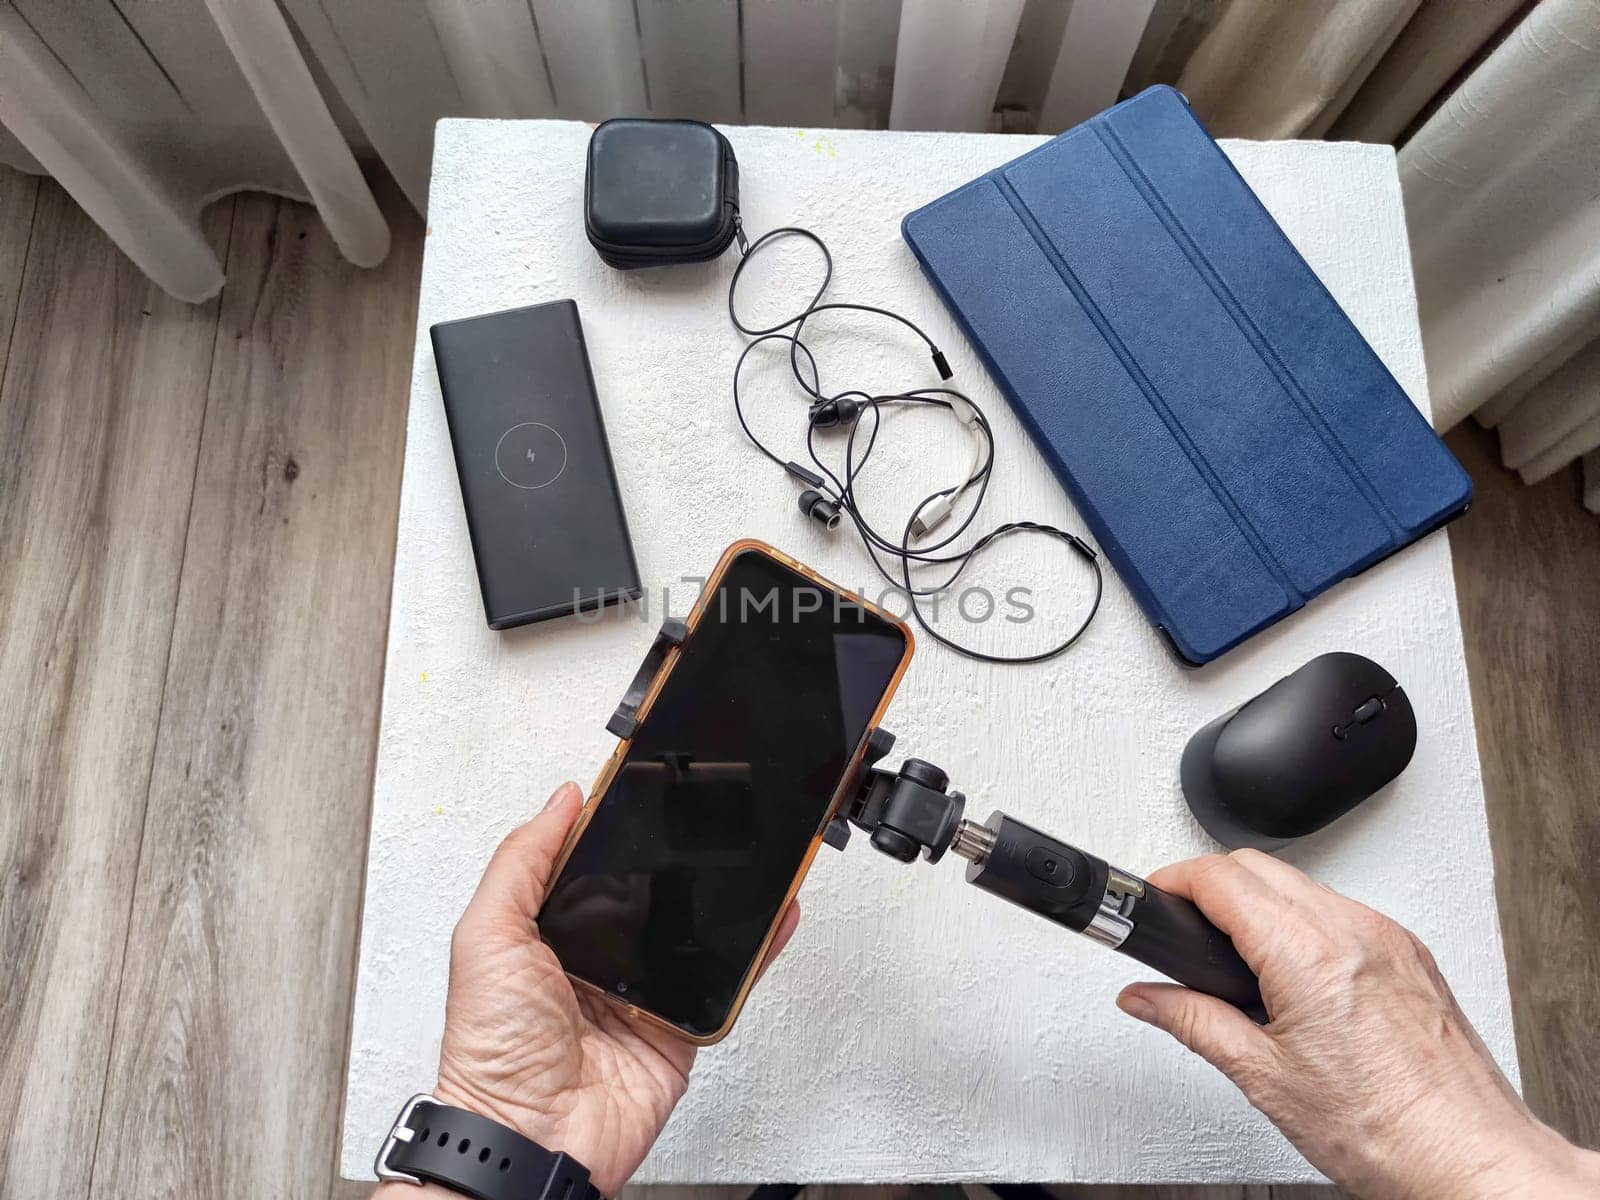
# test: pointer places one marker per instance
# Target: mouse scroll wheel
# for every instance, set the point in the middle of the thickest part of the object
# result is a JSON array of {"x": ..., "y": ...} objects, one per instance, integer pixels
[{"x": 1366, "y": 712}]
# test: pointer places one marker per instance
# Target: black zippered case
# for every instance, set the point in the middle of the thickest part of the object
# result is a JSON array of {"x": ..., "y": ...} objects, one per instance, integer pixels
[{"x": 660, "y": 192}]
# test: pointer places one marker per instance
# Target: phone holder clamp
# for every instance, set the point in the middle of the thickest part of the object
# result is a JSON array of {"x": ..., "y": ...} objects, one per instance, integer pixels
[
  {"x": 905, "y": 812},
  {"x": 625, "y": 720}
]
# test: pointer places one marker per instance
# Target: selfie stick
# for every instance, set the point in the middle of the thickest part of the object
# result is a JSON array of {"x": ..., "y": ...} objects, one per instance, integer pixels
[{"x": 912, "y": 811}]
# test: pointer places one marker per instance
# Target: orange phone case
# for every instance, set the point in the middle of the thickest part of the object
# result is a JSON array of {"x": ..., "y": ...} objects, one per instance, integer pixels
[{"x": 608, "y": 772}]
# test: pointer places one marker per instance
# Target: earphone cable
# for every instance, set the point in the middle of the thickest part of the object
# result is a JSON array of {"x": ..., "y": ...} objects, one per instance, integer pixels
[{"x": 850, "y": 407}]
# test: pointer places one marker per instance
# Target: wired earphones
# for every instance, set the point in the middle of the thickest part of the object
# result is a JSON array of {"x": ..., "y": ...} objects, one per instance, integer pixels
[{"x": 830, "y": 497}]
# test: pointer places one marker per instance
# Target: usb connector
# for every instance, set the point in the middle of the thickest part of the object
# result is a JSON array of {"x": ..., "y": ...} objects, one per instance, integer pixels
[{"x": 931, "y": 517}]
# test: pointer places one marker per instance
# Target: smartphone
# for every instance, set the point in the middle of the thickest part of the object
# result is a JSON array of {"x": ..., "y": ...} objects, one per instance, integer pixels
[{"x": 701, "y": 827}]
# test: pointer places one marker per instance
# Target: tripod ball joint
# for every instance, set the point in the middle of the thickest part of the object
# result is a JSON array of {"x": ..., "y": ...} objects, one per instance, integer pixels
[
  {"x": 894, "y": 843},
  {"x": 819, "y": 508},
  {"x": 919, "y": 816}
]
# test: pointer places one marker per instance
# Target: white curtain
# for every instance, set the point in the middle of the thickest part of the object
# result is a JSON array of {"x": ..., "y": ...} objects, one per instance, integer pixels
[
  {"x": 144, "y": 110},
  {"x": 1502, "y": 192},
  {"x": 1501, "y": 181}
]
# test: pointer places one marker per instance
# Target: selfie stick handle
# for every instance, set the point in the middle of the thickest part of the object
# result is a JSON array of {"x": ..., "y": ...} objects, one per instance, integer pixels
[
  {"x": 1113, "y": 907},
  {"x": 913, "y": 813}
]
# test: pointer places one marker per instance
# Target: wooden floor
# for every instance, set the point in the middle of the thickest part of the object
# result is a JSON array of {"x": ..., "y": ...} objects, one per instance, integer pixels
[{"x": 197, "y": 515}]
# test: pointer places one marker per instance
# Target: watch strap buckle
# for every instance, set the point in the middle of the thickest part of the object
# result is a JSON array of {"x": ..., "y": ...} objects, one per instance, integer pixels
[{"x": 400, "y": 1131}]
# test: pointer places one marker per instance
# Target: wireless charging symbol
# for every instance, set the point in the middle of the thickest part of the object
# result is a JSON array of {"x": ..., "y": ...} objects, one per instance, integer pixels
[{"x": 530, "y": 455}]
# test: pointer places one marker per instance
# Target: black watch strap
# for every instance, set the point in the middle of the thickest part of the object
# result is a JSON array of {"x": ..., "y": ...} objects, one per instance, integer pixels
[{"x": 436, "y": 1143}]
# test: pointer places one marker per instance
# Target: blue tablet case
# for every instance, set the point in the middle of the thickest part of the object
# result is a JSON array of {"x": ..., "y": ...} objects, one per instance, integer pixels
[{"x": 1233, "y": 442}]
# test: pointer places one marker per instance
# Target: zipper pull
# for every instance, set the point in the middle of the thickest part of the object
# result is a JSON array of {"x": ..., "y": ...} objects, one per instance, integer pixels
[{"x": 738, "y": 233}]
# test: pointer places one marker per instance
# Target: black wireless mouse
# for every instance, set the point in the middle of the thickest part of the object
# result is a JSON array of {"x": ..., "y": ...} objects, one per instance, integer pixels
[{"x": 1301, "y": 754}]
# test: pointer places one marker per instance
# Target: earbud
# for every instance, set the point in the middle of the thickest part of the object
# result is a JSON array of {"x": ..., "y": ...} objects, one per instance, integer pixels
[
  {"x": 819, "y": 508},
  {"x": 825, "y": 414}
]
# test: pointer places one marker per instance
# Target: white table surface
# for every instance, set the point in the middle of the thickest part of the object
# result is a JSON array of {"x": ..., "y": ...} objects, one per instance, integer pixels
[{"x": 916, "y": 1029}]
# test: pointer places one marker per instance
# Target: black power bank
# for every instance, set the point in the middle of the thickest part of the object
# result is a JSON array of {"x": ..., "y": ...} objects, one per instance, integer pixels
[{"x": 548, "y": 532}]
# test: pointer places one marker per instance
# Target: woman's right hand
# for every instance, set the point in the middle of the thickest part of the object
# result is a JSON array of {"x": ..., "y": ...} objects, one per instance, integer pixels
[{"x": 1368, "y": 1065}]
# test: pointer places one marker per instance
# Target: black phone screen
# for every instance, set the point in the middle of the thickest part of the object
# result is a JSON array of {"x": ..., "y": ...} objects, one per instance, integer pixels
[{"x": 674, "y": 883}]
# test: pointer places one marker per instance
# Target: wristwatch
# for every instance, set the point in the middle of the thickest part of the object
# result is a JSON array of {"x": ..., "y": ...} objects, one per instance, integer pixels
[{"x": 433, "y": 1142}]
